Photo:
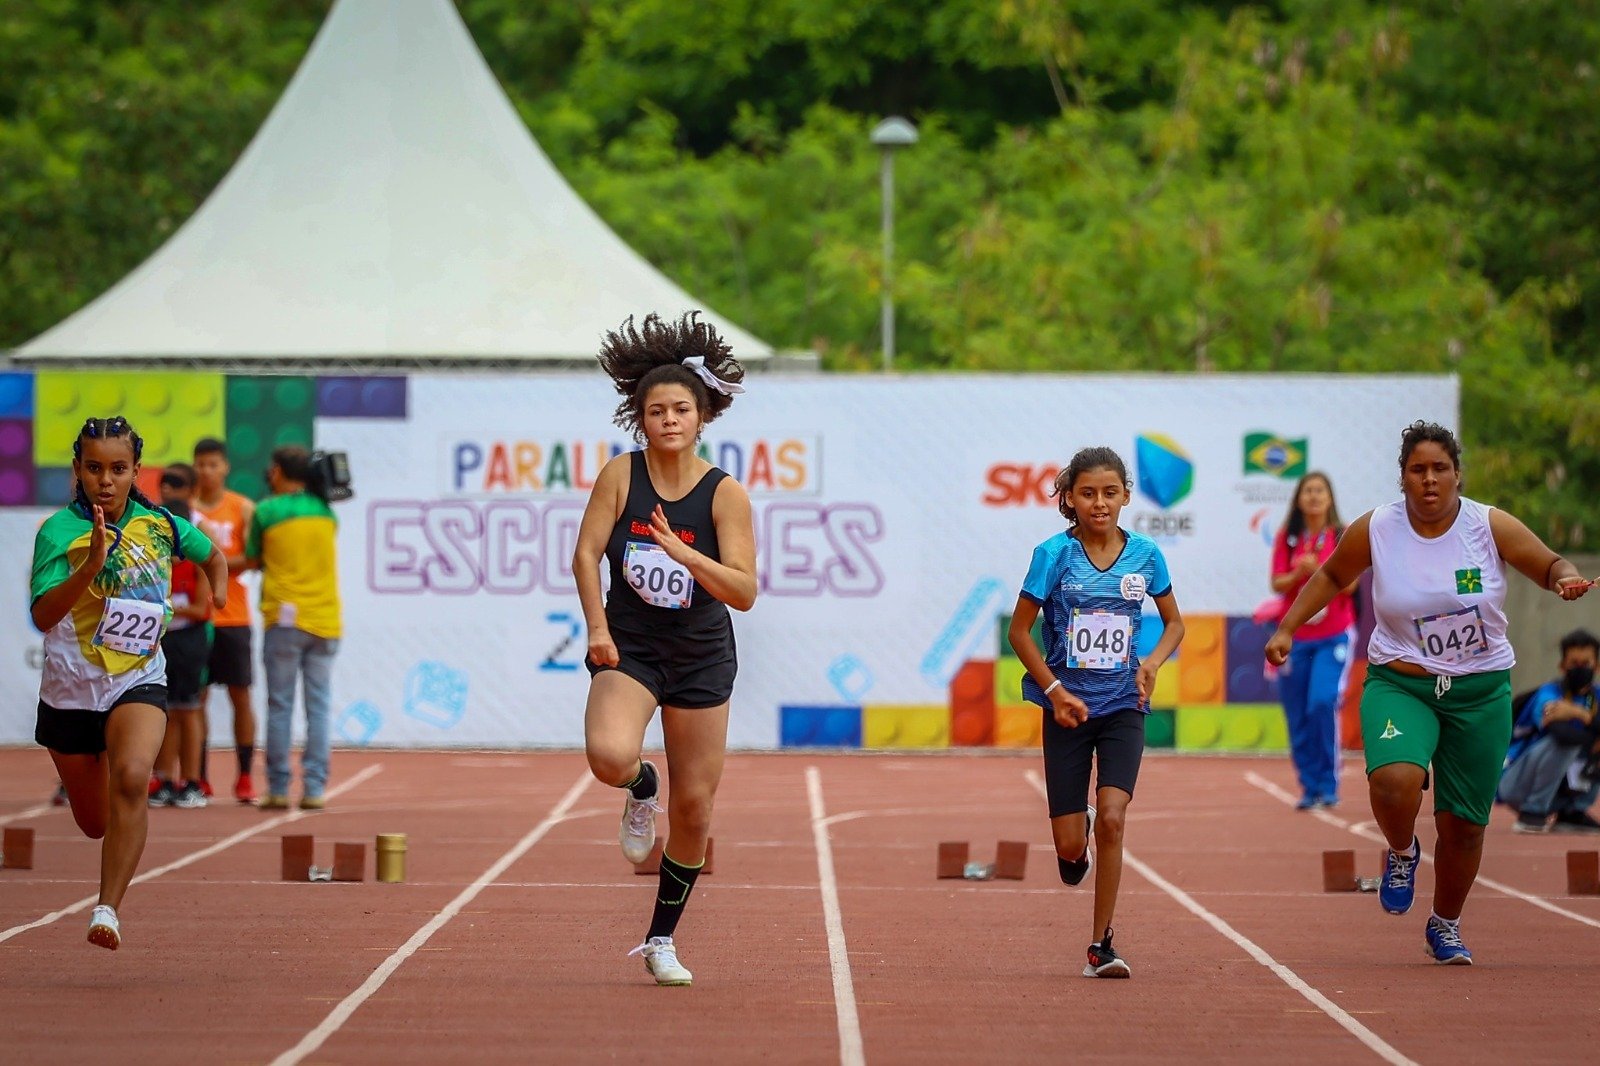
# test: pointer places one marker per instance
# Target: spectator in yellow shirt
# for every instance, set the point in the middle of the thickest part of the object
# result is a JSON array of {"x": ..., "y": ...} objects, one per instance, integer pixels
[{"x": 292, "y": 541}]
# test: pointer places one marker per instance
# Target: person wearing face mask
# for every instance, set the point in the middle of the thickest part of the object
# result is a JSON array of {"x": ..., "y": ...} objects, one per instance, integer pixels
[
  {"x": 1555, "y": 740},
  {"x": 1436, "y": 703}
]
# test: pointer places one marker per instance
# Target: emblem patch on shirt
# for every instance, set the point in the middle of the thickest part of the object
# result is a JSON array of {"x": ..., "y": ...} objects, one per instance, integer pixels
[
  {"x": 1469, "y": 581},
  {"x": 1133, "y": 586}
]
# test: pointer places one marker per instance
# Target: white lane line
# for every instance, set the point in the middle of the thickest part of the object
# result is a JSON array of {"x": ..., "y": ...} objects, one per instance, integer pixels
[
  {"x": 31, "y": 812},
  {"x": 348, "y": 1006},
  {"x": 194, "y": 856},
  {"x": 1340, "y": 1016},
  {"x": 1361, "y": 829},
  {"x": 844, "y": 987}
]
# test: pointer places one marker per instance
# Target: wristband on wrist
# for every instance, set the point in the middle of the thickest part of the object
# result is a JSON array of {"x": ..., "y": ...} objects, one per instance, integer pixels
[{"x": 1052, "y": 686}]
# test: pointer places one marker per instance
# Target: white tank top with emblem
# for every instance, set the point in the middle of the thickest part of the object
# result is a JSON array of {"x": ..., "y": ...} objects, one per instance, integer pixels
[{"x": 1439, "y": 602}]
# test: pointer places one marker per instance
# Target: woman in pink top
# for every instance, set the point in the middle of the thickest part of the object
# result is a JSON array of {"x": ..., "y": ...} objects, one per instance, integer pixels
[{"x": 1311, "y": 682}]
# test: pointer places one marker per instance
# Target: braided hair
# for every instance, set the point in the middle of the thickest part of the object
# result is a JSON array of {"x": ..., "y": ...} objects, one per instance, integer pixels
[
  {"x": 114, "y": 427},
  {"x": 637, "y": 359}
]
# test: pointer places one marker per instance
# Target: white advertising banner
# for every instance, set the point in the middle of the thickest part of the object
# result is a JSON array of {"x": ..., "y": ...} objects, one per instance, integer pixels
[{"x": 894, "y": 517}]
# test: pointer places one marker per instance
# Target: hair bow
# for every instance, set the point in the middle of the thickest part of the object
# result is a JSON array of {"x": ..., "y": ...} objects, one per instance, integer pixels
[{"x": 697, "y": 363}]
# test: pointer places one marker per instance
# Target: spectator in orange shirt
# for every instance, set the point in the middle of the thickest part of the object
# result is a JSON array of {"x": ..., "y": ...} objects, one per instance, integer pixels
[{"x": 225, "y": 516}]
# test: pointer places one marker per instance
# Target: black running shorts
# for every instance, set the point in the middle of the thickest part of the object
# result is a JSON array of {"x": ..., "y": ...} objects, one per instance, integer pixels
[
  {"x": 688, "y": 670},
  {"x": 1114, "y": 742},
  {"x": 77, "y": 732},
  {"x": 186, "y": 650},
  {"x": 230, "y": 657}
]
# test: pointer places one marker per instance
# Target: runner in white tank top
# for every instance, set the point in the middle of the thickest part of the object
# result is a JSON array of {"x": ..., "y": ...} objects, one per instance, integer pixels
[
  {"x": 1438, "y": 689},
  {"x": 1439, "y": 601}
]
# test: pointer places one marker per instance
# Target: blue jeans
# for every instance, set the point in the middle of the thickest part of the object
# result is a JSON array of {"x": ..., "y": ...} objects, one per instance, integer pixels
[
  {"x": 1311, "y": 686},
  {"x": 290, "y": 654},
  {"x": 1529, "y": 785}
]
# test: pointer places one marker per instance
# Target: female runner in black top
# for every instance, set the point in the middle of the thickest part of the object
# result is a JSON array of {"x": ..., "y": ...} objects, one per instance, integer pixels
[{"x": 679, "y": 543}]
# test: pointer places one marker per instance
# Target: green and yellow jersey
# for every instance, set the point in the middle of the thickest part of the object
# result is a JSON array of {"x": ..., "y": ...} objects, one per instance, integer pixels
[
  {"x": 110, "y": 640},
  {"x": 294, "y": 538}
]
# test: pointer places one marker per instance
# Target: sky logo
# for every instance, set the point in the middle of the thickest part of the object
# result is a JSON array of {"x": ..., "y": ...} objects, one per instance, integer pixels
[{"x": 1166, "y": 473}]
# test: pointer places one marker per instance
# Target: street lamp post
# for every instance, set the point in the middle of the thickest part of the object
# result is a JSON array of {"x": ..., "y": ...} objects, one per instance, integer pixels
[{"x": 888, "y": 135}]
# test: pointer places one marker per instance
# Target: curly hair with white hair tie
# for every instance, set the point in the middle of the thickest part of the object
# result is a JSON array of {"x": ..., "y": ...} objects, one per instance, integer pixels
[{"x": 685, "y": 352}]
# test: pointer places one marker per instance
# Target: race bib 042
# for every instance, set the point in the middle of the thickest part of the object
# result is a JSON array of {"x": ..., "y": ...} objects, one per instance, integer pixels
[
  {"x": 659, "y": 579},
  {"x": 132, "y": 627},
  {"x": 1100, "y": 640},
  {"x": 1454, "y": 637}
]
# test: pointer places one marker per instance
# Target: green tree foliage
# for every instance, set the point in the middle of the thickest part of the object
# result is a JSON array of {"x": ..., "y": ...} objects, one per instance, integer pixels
[{"x": 1135, "y": 185}]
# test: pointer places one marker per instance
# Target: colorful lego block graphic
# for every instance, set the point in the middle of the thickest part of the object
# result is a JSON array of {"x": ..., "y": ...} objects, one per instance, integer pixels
[
  {"x": 822, "y": 726},
  {"x": 889, "y": 725},
  {"x": 1202, "y": 665},
  {"x": 264, "y": 413},
  {"x": 361, "y": 397},
  {"x": 16, "y": 395},
  {"x": 1160, "y": 729},
  {"x": 16, "y": 462},
  {"x": 972, "y": 704},
  {"x": 170, "y": 411},
  {"x": 1247, "y": 680},
  {"x": 1232, "y": 727},
  {"x": 1018, "y": 725}
]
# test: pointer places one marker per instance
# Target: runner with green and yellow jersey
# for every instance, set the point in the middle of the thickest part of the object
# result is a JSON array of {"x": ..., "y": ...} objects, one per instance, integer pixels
[{"x": 102, "y": 569}]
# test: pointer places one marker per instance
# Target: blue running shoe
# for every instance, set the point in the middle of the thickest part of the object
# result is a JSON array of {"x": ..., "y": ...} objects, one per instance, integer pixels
[
  {"x": 1399, "y": 886},
  {"x": 1307, "y": 802},
  {"x": 1444, "y": 944}
]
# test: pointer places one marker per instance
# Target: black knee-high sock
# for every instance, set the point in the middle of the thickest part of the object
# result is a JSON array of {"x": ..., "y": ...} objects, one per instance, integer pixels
[
  {"x": 645, "y": 784},
  {"x": 677, "y": 881},
  {"x": 247, "y": 755}
]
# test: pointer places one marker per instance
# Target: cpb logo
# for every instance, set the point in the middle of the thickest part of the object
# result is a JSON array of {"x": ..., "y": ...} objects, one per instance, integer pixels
[{"x": 1166, "y": 473}]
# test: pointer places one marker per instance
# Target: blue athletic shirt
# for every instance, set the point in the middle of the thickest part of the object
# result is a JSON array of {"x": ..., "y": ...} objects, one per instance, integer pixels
[{"x": 1107, "y": 606}]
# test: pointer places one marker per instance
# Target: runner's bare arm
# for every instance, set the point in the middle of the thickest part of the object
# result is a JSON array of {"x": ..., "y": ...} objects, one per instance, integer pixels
[
  {"x": 215, "y": 568},
  {"x": 238, "y": 564},
  {"x": 1531, "y": 557},
  {"x": 51, "y": 607},
  {"x": 599, "y": 515},
  {"x": 733, "y": 579}
]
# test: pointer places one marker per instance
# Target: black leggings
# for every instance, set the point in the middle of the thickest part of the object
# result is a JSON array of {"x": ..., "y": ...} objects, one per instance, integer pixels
[{"x": 1115, "y": 741}]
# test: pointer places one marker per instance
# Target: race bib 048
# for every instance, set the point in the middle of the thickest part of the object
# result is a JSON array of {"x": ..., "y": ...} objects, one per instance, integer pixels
[
  {"x": 132, "y": 627},
  {"x": 1100, "y": 640},
  {"x": 659, "y": 579}
]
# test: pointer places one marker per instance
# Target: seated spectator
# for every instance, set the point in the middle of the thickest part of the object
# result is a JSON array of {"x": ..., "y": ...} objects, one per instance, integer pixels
[{"x": 1551, "y": 767}]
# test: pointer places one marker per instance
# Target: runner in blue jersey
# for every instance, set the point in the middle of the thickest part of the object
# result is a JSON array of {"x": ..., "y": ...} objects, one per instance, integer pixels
[{"x": 1091, "y": 582}]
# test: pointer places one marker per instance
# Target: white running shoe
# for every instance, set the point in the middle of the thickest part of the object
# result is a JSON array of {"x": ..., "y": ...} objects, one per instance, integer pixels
[
  {"x": 661, "y": 959},
  {"x": 638, "y": 832},
  {"x": 104, "y": 929}
]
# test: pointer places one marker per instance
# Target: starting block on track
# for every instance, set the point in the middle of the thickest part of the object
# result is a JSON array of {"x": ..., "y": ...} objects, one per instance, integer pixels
[
  {"x": 652, "y": 863},
  {"x": 1339, "y": 873},
  {"x": 17, "y": 851},
  {"x": 298, "y": 856},
  {"x": 1583, "y": 873},
  {"x": 1010, "y": 862}
]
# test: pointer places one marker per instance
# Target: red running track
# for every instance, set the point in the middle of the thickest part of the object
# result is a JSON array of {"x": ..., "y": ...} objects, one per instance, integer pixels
[{"x": 822, "y": 937}]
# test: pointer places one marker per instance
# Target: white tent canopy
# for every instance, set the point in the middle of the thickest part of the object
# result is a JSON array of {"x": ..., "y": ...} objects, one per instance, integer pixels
[{"x": 392, "y": 207}]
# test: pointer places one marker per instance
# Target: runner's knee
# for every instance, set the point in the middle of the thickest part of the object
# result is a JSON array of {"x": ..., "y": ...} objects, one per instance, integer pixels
[
  {"x": 691, "y": 812},
  {"x": 130, "y": 782}
]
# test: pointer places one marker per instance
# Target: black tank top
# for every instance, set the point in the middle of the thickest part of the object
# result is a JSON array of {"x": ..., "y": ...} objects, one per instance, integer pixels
[{"x": 690, "y": 518}]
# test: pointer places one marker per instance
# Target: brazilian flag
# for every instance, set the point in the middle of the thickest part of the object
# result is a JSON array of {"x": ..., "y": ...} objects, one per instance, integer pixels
[{"x": 1268, "y": 453}]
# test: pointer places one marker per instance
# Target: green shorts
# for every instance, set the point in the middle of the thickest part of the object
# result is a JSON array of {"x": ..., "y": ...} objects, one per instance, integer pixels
[{"x": 1462, "y": 731}]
